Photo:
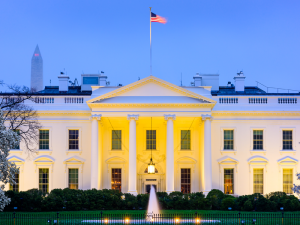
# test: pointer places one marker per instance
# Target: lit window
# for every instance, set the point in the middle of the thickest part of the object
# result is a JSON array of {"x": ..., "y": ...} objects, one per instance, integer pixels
[
  {"x": 17, "y": 146},
  {"x": 116, "y": 179},
  {"x": 287, "y": 181},
  {"x": 73, "y": 139},
  {"x": 151, "y": 139},
  {"x": 73, "y": 179},
  {"x": 287, "y": 139},
  {"x": 44, "y": 139},
  {"x": 258, "y": 181},
  {"x": 15, "y": 187},
  {"x": 258, "y": 139},
  {"x": 186, "y": 180},
  {"x": 185, "y": 139},
  {"x": 116, "y": 141},
  {"x": 228, "y": 139},
  {"x": 228, "y": 181},
  {"x": 44, "y": 180}
]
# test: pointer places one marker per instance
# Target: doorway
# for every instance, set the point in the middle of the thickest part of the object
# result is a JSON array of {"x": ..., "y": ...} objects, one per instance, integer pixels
[{"x": 148, "y": 188}]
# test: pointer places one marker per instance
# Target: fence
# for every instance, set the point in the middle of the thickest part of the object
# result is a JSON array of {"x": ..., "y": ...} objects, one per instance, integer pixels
[{"x": 103, "y": 218}]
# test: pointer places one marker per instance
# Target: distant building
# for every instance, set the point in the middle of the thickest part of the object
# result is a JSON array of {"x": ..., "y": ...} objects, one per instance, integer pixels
[
  {"x": 37, "y": 70},
  {"x": 236, "y": 138}
]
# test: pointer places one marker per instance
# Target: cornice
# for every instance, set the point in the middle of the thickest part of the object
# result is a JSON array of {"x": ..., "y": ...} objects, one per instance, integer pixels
[
  {"x": 64, "y": 113},
  {"x": 151, "y": 79},
  {"x": 116, "y": 105},
  {"x": 255, "y": 113}
]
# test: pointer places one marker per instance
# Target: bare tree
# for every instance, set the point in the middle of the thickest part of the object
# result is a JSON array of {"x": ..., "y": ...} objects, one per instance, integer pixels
[{"x": 20, "y": 116}]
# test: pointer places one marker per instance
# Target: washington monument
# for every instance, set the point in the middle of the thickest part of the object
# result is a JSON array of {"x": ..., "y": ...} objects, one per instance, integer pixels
[{"x": 37, "y": 70}]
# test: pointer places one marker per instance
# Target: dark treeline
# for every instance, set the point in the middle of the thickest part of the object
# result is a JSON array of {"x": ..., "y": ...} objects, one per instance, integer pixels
[{"x": 76, "y": 200}]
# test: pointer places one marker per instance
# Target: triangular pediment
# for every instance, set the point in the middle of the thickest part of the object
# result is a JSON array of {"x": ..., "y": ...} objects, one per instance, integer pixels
[
  {"x": 115, "y": 160},
  {"x": 287, "y": 160},
  {"x": 186, "y": 160},
  {"x": 227, "y": 160},
  {"x": 15, "y": 159},
  {"x": 74, "y": 160},
  {"x": 150, "y": 89}
]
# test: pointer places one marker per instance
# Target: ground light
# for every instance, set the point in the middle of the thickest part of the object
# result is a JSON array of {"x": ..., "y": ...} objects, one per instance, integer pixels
[
  {"x": 176, "y": 220},
  {"x": 106, "y": 221},
  {"x": 127, "y": 220},
  {"x": 243, "y": 222},
  {"x": 197, "y": 220},
  {"x": 253, "y": 221}
]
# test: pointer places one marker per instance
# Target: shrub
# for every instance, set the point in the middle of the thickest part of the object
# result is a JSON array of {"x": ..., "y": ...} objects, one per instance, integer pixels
[
  {"x": 228, "y": 202},
  {"x": 247, "y": 206},
  {"x": 215, "y": 196}
]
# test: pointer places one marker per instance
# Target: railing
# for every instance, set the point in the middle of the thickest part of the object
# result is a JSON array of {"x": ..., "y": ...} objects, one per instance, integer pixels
[
  {"x": 258, "y": 100},
  {"x": 276, "y": 218},
  {"x": 74, "y": 100},
  {"x": 274, "y": 89},
  {"x": 43, "y": 100},
  {"x": 287, "y": 100},
  {"x": 228, "y": 100}
]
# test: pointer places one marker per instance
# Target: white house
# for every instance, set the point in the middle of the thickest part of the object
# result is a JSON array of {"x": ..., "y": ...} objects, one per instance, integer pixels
[{"x": 235, "y": 138}]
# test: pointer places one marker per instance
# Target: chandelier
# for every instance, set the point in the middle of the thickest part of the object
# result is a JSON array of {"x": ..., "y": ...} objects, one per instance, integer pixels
[{"x": 151, "y": 165}]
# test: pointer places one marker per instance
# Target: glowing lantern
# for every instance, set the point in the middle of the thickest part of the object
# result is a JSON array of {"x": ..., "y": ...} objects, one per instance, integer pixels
[{"x": 151, "y": 167}]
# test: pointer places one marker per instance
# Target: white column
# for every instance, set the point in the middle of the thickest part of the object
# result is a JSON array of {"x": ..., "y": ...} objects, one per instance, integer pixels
[
  {"x": 207, "y": 154},
  {"x": 170, "y": 154},
  {"x": 132, "y": 154},
  {"x": 94, "y": 152}
]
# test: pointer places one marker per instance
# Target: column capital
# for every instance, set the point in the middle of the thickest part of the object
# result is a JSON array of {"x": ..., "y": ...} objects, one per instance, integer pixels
[
  {"x": 170, "y": 116},
  {"x": 207, "y": 117},
  {"x": 96, "y": 117},
  {"x": 133, "y": 116}
]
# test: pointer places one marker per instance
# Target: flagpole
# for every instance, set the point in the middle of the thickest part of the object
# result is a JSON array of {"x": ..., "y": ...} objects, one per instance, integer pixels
[{"x": 150, "y": 46}]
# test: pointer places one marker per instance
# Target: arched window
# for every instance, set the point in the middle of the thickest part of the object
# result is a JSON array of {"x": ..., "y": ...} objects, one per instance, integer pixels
[{"x": 146, "y": 170}]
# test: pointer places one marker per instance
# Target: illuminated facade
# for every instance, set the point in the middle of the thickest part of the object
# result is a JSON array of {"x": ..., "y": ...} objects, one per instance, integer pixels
[{"x": 235, "y": 138}]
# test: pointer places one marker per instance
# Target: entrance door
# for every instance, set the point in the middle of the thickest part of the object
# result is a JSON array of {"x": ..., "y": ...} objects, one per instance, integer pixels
[{"x": 148, "y": 188}]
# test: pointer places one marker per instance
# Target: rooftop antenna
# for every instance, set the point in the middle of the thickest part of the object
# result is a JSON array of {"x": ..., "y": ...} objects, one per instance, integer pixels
[
  {"x": 181, "y": 79},
  {"x": 50, "y": 82}
]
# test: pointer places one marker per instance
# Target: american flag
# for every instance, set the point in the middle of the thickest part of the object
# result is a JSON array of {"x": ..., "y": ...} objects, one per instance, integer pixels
[{"x": 157, "y": 18}]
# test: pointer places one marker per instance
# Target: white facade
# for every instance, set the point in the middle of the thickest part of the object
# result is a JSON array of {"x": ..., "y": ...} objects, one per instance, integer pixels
[{"x": 154, "y": 104}]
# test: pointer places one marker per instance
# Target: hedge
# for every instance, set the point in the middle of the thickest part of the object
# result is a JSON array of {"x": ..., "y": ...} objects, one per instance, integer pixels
[{"x": 79, "y": 200}]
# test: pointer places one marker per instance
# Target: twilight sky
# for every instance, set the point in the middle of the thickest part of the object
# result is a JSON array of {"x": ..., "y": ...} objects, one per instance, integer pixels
[{"x": 262, "y": 38}]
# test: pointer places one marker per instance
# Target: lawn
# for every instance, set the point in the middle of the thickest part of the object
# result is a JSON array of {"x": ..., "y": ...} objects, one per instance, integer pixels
[{"x": 121, "y": 216}]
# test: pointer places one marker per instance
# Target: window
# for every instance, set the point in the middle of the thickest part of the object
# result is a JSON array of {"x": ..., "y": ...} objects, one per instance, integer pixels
[
  {"x": 258, "y": 139},
  {"x": 287, "y": 139},
  {"x": 17, "y": 146},
  {"x": 15, "y": 187},
  {"x": 186, "y": 180},
  {"x": 228, "y": 139},
  {"x": 151, "y": 139},
  {"x": 44, "y": 139},
  {"x": 116, "y": 141},
  {"x": 287, "y": 181},
  {"x": 44, "y": 180},
  {"x": 228, "y": 181},
  {"x": 116, "y": 179},
  {"x": 73, "y": 179},
  {"x": 185, "y": 139},
  {"x": 258, "y": 181},
  {"x": 73, "y": 139}
]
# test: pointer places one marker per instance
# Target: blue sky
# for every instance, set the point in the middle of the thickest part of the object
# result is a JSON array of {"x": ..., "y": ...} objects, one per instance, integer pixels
[{"x": 259, "y": 37}]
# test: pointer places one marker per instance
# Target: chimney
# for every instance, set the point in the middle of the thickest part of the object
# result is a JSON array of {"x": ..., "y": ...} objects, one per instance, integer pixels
[
  {"x": 240, "y": 82},
  {"x": 197, "y": 80},
  {"x": 63, "y": 82}
]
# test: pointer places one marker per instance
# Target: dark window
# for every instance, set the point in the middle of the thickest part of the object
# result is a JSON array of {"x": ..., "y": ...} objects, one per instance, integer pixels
[
  {"x": 116, "y": 179},
  {"x": 116, "y": 141},
  {"x": 228, "y": 139},
  {"x": 228, "y": 181},
  {"x": 90, "y": 80},
  {"x": 151, "y": 139},
  {"x": 186, "y": 180},
  {"x": 73, "y": 179},
  {"x": 15, "y": 187},
  {"x": 287, "y": 139},
  {"x": 44, "y": 139},
  {"x": 44, "y": 180},
  {"x": 73, "y": 139},
  {"x": 185, "y": 139},
  {"x": 258, "y": 139}
]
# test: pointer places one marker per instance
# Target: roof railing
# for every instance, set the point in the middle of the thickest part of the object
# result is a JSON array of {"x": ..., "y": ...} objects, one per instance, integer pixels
[{"x": 276, "y": 90}]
